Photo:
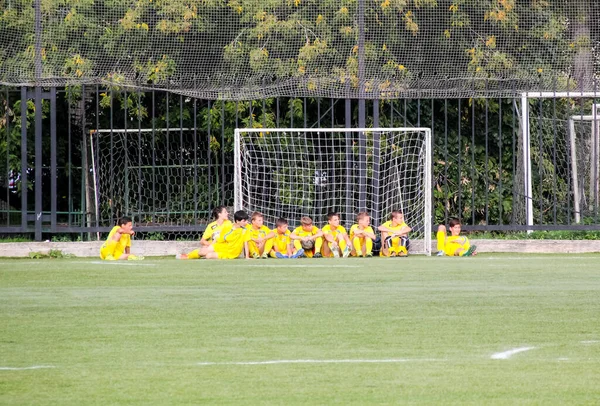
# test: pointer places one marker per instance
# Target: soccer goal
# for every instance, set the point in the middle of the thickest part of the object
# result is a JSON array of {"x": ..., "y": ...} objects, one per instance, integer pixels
[
  {"x": 292, "y": 173},
  {"x": 164, "y": 177}
]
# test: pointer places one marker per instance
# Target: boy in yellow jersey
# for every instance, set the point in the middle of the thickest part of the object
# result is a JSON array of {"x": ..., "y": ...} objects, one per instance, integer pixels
[
  {"x": 394, "y": 236},
  {"x": 454, "y": 245},
  {"x": 232, "y": 241},
  {"x": 282, "y": 242},
  {"x": 362, "y": 236},
  {"x": 337, "y": 242},
  {"x": 308, "y": 237},
  {"x": 118, "y": 243},
  {"x": 211, "y": 233},
  {"x": 261, "y": 238}
]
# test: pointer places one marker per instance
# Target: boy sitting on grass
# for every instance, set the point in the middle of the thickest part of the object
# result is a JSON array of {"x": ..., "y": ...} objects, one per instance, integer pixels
[{"x": 118, "y": 244}]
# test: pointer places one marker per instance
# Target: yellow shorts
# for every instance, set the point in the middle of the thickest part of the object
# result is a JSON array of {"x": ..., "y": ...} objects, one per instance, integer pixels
[
  {"x": 110, "y": 248},
  {"x": 228, "y": 254}
]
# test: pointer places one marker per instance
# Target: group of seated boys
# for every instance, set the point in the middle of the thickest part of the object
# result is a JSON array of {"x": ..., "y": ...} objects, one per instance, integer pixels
[{"x": 224, "y": 239}]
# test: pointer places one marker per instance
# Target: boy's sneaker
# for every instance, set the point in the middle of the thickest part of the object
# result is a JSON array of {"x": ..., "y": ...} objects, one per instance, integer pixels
[
  {"x": 135, "y": 257},
  {"x": 180, "y": 256},
  {"x": 440, "y": 254},
  {"x": 369, "y": 254},
  {"x": 402, "y": 254},
  {"x": 336, "y": 252},
  {"x": 280, "y": 255},
  {"x": 255, "y": 255},
  {"x": 264, "y": 256},
  {"x": 317, "y": 255},
  {"x": 471, "y": 251},
  {"x": 298, "y": 254},
  {"x": 109, "y": 258},
  {"x": 359, "y": 253},
  {"x": 393, "y": 254},
  {"x": 346, "y": 252}
]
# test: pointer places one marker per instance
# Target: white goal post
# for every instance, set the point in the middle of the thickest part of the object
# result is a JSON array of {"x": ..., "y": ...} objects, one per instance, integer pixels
[{"x": 298, "y": 172}]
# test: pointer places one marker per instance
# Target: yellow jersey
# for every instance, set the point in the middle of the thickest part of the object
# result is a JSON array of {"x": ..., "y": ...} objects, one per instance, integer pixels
[
  {"x": 355, "y": 227},
  {"x": 262, "y": 232},
  {"x": 212, "y": 231},
  {"x": 300, "y": 232},
  {"x": 230, "y": 243},
  {"x": 338, "y": 230},
  {"x": 281, "y": 241},
  {"x": 388, "y": 225},
  {"x": 119, "y": 248}
]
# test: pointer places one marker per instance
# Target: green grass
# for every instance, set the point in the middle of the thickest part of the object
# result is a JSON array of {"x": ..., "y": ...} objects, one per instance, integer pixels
[{"x": 136, "y": 332}]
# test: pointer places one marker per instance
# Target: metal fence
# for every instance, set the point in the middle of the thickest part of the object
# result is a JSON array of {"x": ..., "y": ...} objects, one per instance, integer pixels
[{"x": 74, "y": 160}]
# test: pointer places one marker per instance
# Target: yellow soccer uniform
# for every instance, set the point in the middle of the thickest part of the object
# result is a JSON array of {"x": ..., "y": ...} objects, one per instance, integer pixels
[
  {"x": 281, "y": 242},
  {"x": 396, "y": 246},
  {"x": 230, "y": 243},
  {"x": 212, "y": 231},
  {"x": 335, "y": 233},
  {"x": 261, "y": 232},
  {"x": 450, "y": 244},
  {"x": 115, "y": 248},
  {"x": 357, "y": 242},
  {"x": 339, "y": 230},
  {"x": 300, "y": 232}
]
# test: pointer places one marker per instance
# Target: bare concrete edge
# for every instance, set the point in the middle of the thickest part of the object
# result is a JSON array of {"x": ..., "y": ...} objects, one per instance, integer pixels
[{"x": 167, "y": 248}]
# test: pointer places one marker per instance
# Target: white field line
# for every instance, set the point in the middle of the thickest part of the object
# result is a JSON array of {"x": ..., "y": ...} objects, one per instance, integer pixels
[
  {"x": 120, "y": 263},
  {"x": 590, "y": 342},
  {"x": 25, "y": 368},
  {"x": 527, "y": 257},
  {"x": 510, "y": 353},
  {"x": 323, "y": 361},
  {"x": 303, "y": 266}
]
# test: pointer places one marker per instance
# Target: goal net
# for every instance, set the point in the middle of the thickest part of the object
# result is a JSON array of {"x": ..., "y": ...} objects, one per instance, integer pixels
[
  {"x": 564, "y": 153},
  {"x": 168, "y": 179},
  {"x": 248, "y": 49},
  {"x": 292, "y": 173}
]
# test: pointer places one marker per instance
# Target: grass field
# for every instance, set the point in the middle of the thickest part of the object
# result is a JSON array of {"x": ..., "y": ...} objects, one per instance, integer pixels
[{"x": 493, "y": 329}]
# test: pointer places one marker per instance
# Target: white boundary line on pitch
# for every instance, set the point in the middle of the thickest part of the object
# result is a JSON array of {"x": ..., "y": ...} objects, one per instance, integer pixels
[
  {"x": 302, "y": 266},
  {"x": 527, "y": 256},
  {"x": 26, "y": 368},
  {"x": 126, "y": 263},
  {"x": 323, "y": 361},
  {"x": 590, "y": 342},
  {"x": 510, "y": 353}
]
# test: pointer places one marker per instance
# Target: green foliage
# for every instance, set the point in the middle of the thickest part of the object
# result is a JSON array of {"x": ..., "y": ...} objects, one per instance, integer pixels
[
  {"x": 53, "y": 254},
  {"x": 160, "y": 42},
  {"x": 15, "y": 238},
  {"x": 65, "y": 238},
  {"x": 155, "y": 236}
]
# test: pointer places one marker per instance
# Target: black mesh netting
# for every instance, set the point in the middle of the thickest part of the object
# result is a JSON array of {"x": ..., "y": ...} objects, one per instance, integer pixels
[{"x": 244, "y": 49}]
